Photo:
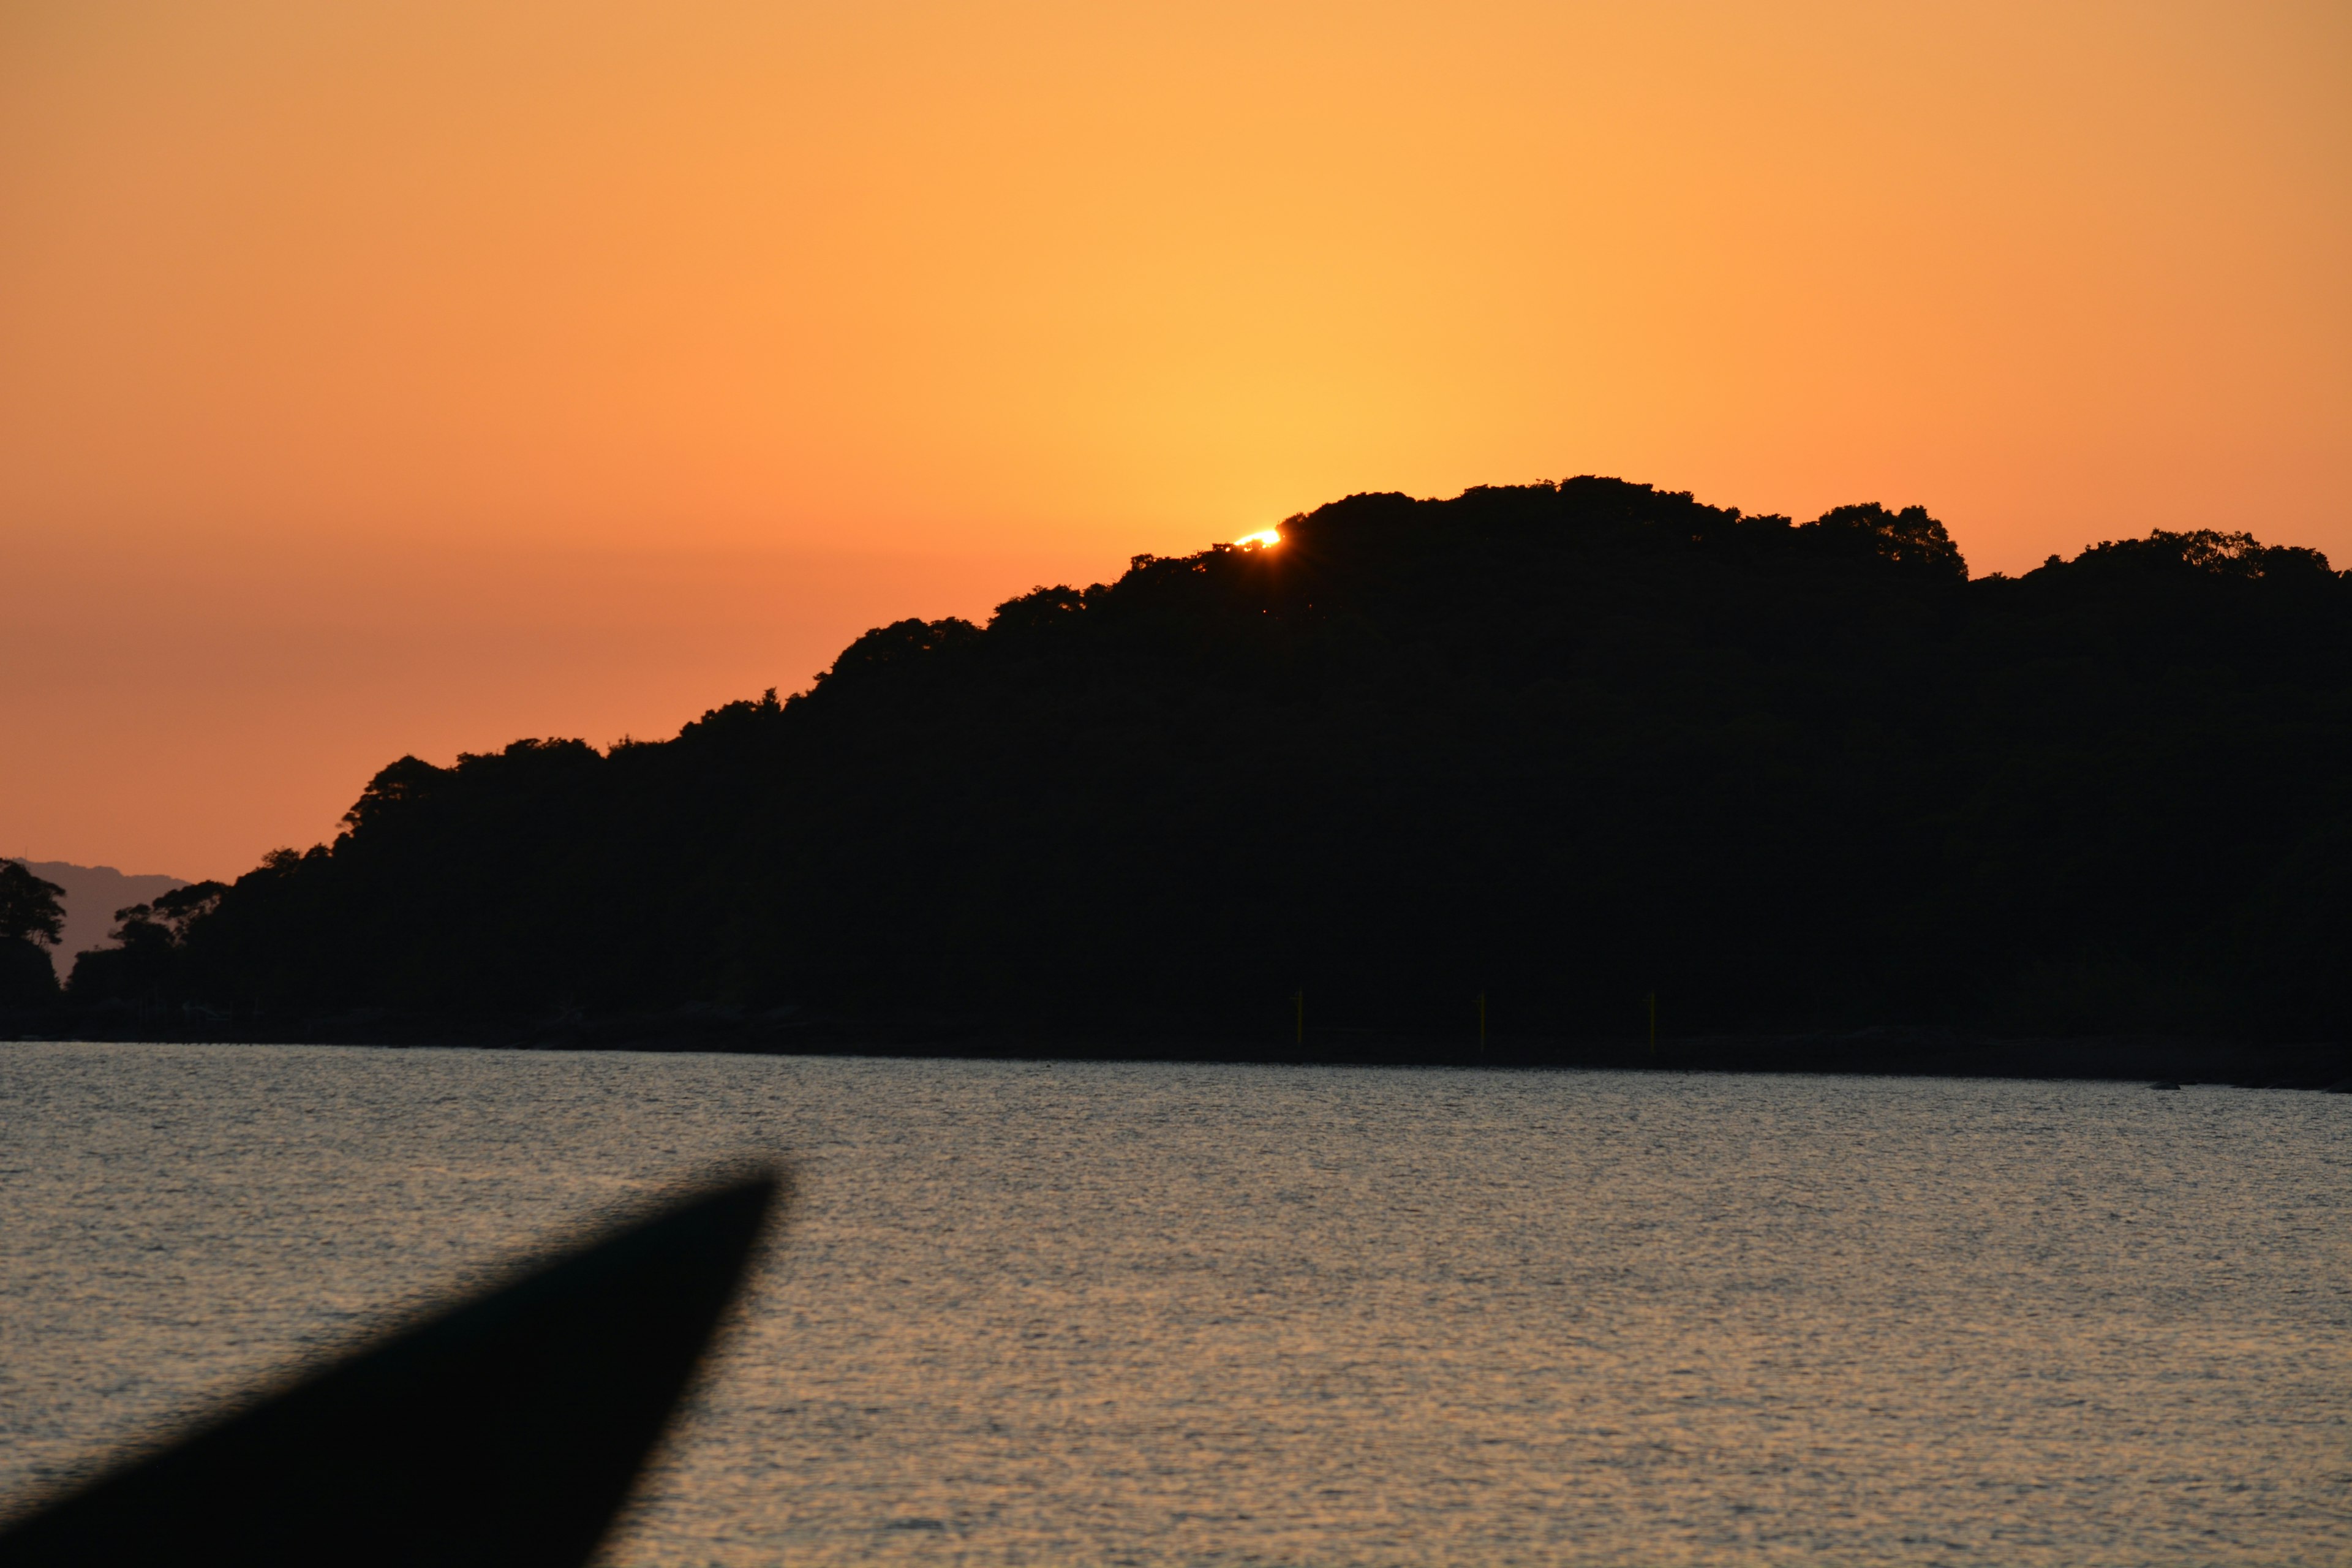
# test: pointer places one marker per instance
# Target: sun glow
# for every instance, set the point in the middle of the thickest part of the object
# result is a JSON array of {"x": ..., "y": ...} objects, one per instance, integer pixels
[{"x": 1264, "y": 538}]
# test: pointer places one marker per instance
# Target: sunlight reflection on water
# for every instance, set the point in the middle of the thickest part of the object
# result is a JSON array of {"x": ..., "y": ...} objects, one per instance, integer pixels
[{"x": 1042, "y": 1312}]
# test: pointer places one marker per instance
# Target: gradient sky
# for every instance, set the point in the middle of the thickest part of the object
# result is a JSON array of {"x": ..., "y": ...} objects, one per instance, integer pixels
[{"x": 407, "y": 378}]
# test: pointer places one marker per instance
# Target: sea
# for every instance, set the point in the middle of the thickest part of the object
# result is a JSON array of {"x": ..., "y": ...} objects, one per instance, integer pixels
[{"x": 1048, "y": 1313}]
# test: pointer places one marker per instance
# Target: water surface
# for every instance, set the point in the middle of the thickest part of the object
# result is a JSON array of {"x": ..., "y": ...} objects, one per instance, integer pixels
[{"x": 1209, "y": 1314}]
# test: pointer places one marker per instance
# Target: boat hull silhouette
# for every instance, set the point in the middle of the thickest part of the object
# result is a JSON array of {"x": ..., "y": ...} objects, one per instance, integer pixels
[{"x": 507, "y": 1430}]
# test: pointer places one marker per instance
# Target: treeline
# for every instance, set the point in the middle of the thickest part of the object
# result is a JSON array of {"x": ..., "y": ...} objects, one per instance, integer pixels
[{"x": 1565, "y": 748}]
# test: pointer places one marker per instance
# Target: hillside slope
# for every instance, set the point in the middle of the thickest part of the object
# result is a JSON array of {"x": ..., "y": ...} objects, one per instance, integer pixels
[{"x": 1563, "y": 747}]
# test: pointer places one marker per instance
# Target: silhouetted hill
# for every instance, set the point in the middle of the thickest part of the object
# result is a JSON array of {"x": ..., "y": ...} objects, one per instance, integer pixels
[
  {"x": 1563, "y": 747},
  {"x": 92, "y": 894}
]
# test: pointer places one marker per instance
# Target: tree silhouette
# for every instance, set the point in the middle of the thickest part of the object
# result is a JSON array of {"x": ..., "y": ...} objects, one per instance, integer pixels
[
  {"x": 147, "y": 962},
  {"x": 1565, "y": 746},
  {"x": 31, "y": 910},
  {"x": 32, "y": 916}
]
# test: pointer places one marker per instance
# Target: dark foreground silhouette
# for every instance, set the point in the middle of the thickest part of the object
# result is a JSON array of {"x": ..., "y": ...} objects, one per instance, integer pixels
[
  {"x": 506, "y": 1432},
  {"x": 1533, "y": 766}
]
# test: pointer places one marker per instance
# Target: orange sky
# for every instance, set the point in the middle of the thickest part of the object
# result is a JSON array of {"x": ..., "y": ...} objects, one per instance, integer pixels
[{"x": 380, "y": 377}]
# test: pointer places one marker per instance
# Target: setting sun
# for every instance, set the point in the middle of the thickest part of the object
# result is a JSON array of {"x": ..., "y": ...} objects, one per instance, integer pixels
[
  {"x": 616, "y": 610},
  {"x": 393, "y": 378}
]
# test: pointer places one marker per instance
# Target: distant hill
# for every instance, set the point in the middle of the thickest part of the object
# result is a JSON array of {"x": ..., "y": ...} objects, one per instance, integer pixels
[
  {"x": 92, "y": 894},
  {"x": 1538, "y": 755}
]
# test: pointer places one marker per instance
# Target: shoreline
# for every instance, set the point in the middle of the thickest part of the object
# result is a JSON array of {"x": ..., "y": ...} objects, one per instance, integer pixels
[{"x": 1882, "y": 1051}]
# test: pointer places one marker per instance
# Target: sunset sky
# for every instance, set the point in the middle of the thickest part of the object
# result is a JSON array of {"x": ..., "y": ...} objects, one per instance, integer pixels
[{"x": 408, "y": 377}]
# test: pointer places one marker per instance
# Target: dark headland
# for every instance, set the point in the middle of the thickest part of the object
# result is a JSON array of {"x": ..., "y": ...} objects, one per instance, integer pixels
[{"x": 1562, "y": 758}]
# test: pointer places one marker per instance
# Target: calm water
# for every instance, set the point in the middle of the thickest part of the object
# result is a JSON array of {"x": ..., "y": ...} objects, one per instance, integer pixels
[{"x": 1214, "y": 1314}]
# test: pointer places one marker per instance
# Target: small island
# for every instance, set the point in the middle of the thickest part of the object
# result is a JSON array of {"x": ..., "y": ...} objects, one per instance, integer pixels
[{"x": 1545, "y": 775}]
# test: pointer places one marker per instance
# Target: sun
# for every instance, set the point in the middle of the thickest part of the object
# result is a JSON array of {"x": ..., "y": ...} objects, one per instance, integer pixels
[{"x": 1264, "y": 538}]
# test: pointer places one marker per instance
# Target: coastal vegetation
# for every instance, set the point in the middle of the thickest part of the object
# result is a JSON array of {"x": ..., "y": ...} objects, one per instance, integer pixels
[
  {"x": 32, "y": 920},
  {"x": 1582, "y": 755}
]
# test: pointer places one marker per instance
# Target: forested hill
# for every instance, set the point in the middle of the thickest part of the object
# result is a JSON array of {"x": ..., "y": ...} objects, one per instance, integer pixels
[{"x": 1565, "y": 748}]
